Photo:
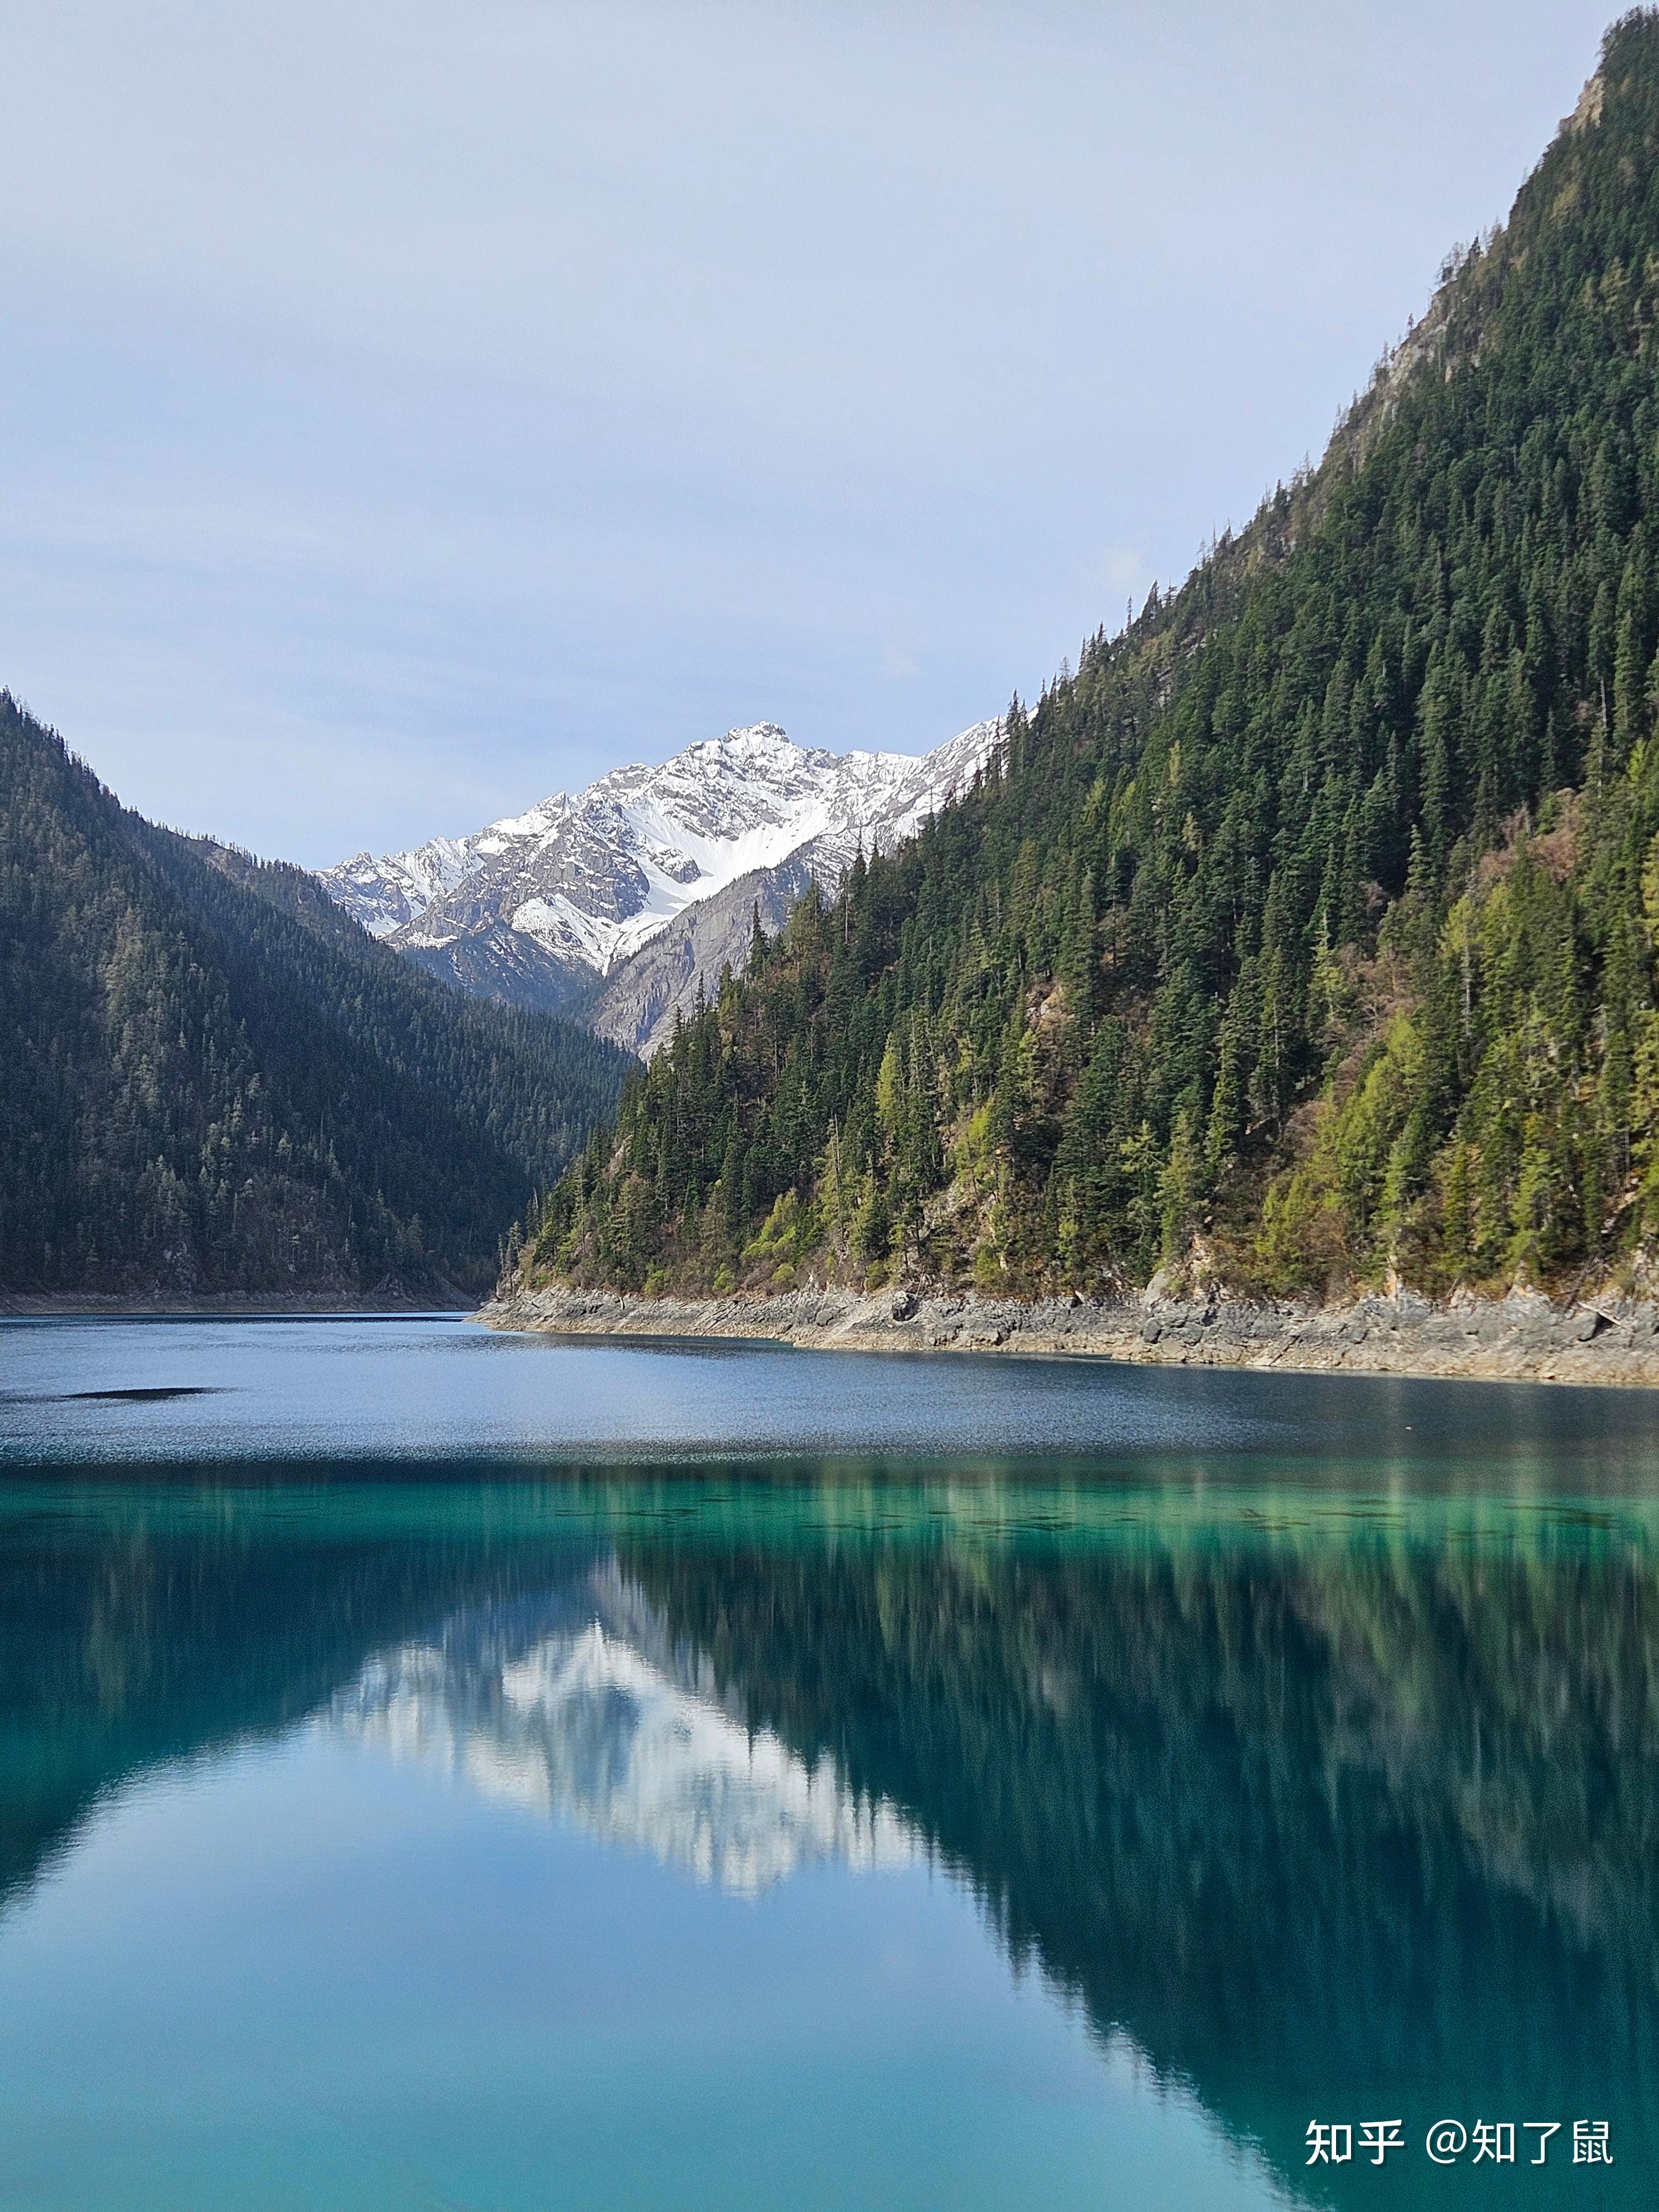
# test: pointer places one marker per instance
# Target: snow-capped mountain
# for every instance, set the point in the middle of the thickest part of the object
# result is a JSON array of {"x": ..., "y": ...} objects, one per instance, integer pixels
[{"x": 543, "y": 907}]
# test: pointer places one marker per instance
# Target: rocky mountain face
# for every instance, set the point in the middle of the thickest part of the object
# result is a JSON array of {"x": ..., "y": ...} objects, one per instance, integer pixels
[
  {"x": 641, "y": 1000},
  {"x": 662, "y": 866}
]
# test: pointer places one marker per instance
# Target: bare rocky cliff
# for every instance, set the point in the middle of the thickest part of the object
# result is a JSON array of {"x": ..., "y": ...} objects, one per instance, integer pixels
[{"x": 639, "y": 1001}]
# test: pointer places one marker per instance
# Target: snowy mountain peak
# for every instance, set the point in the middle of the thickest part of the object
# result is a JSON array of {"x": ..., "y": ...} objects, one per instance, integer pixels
[{"x": 540, "y": 906}]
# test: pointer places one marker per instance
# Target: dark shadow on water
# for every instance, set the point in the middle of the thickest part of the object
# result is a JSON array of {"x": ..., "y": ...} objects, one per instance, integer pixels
[
  {"x": 155, "y": 1395},
  {"x": 159, "y": 1395}
]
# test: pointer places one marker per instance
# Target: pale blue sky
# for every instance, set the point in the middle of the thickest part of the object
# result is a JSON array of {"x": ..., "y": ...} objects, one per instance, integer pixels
[{"x": 408, "y": 410}]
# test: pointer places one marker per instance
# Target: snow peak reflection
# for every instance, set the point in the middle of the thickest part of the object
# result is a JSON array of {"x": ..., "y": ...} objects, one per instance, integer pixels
[
  {"x": 578, "y": 1705},
  {"x": 1330, "y": 2142}
]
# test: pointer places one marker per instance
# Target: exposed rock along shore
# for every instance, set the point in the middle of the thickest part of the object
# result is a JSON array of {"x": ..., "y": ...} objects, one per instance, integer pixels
[{"x": 1523, "y": 1337}]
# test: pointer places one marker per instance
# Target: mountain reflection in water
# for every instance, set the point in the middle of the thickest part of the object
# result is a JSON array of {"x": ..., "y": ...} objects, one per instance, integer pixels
[
  {"x": 1329, "y": 1824},
  {"x": 596, "y": 1720},
  {"x": 1330, "y": 1812}
]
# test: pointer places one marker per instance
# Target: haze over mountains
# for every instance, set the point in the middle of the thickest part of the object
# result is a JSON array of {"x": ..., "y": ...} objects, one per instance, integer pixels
[{"x": 546, "y": 909}]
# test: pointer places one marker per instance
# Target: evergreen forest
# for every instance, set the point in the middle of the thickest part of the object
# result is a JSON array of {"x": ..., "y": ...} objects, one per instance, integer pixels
[
  {"x": 214, "y": 1081},
  {"x": 1304, "y": 937}
]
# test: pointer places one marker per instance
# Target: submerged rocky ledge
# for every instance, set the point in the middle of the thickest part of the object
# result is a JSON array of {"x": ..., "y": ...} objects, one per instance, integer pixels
[{"x": 1523, "y": 1337}]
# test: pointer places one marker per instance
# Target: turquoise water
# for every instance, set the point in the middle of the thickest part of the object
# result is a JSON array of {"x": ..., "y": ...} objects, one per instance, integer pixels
[{"x": 439, "y": 1769}]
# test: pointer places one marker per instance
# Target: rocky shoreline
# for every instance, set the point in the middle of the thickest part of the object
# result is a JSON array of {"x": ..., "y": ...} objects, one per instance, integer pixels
[{"x": 1522, "y": 1338}]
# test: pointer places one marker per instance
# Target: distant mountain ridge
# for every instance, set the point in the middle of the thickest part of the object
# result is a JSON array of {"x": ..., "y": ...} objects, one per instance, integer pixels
[{"x": 543, "y": 908}]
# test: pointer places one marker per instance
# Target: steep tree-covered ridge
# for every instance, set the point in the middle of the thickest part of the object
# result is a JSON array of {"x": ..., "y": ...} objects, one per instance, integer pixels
[
  {"x": 1305, "y": 934},
  {"x": 215, "y": 1081}
]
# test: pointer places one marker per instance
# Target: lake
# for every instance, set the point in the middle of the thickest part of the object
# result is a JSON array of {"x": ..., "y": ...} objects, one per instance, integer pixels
[{"x": 446, "y": 1769}]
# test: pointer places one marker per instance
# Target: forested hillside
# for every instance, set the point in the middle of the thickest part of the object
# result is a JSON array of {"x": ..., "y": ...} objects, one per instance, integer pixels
[
  {"x": 1306, "y": 934},
  {"x": 215, "y": 1081}
]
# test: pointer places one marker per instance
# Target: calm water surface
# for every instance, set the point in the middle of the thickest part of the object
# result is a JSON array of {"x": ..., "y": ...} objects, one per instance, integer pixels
[{"x": 449, "y": 1769}]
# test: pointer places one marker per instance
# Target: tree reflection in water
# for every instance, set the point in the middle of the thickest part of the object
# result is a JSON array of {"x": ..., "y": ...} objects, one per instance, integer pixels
[{"x": 1341, "y": 1821}]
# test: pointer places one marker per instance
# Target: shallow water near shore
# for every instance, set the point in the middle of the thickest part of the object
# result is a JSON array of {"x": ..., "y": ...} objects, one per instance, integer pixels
[{"x": 439, "y": 1768}]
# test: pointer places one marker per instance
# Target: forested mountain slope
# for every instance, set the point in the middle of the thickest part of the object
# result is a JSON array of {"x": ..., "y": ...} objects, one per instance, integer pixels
[
  {"x": 1306, "y": 933},
  {"x": 214, "y": 1080}
]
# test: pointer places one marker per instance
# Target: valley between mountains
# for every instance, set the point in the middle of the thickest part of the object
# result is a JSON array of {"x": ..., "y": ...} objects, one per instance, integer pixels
[{"x": 229, "y": 1080}]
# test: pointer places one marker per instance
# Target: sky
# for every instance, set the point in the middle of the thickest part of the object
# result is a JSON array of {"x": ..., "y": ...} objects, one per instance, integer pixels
[{"x": 411, "y": 410}]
